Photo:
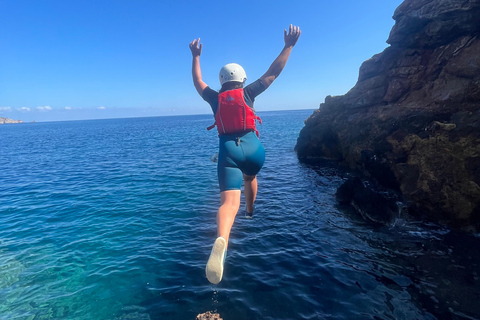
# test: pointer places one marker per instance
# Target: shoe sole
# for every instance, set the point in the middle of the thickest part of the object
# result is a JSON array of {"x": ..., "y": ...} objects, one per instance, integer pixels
[{"x": 214, "y": 269}]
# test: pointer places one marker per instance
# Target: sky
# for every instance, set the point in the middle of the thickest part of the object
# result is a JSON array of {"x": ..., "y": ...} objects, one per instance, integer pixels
[{"x": 76, "y": 60}]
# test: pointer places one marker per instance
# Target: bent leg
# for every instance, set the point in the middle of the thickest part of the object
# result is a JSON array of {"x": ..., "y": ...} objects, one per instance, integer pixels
[
  {"x": 230, "y": 203},
  {"x": 251, "y": 188},
  {"x": 254, "y": 159}
]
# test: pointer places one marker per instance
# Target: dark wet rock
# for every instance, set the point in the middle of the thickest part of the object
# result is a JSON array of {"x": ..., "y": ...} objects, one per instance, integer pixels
[
  {"x": 374, "y": 202},
  {"x": 412, "y": 121}
]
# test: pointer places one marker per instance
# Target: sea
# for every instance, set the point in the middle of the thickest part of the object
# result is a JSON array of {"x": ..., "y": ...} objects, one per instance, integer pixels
[{"x": 115, "y": 219}]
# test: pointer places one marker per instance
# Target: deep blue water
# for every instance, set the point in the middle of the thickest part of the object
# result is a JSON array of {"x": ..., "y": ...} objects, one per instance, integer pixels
[{"x": 114, "y": 219}]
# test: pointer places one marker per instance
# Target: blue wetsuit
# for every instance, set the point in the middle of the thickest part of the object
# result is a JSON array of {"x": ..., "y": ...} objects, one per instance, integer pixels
[{"x": 239, "y": 153}]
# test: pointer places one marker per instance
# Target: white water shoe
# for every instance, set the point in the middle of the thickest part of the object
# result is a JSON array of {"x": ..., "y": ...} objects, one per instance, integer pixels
[{"x": 214, "y": 269}]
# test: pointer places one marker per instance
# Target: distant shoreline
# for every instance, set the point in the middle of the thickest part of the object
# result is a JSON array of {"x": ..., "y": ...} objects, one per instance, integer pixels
[
  {"x": 8, "y": 120},
  {"x": 151, "y": 116}
]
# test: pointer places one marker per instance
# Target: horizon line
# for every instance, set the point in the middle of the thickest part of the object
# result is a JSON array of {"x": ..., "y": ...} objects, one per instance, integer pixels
[{"x": 116, "y": 118}]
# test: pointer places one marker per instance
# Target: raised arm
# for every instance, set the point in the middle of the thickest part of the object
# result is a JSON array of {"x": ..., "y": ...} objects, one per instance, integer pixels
[
  {"x": 196, "y": 48},
  {"x": 279, "y": 63}
]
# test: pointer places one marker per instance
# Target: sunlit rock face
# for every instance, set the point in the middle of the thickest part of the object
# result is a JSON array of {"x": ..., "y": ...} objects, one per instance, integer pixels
[
  {"x": 412, "y": 121},
  {"x": 7, "y": 120}
]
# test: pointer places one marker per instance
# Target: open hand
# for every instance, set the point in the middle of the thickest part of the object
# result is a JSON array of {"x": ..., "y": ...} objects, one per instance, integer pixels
[
  {"x": 196, "y": 47},
  {"x": 292, "y": 36}
]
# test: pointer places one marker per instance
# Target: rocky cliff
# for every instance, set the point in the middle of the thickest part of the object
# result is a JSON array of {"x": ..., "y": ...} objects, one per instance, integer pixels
[{"x": 412, "y": 121}]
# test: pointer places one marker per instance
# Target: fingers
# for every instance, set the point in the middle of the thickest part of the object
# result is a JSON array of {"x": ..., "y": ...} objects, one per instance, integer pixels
[
  {"x": 194, "y": 43},
  {"x": 298, "y": 32},
  {"x": 196, "y": 47},
  {"x": 293, "y": 30}
]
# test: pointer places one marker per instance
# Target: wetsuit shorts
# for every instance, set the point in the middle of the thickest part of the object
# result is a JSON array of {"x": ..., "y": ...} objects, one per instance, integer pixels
[{"x": 239, "y": 154}]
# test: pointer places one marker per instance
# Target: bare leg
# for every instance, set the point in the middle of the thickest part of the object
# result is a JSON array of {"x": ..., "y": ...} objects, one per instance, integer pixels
[
  {"x": 230, "y": 202},
  {"x": 251, "y": 188}
]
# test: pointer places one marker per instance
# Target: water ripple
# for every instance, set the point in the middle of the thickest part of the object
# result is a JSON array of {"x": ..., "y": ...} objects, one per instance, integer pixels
[{"x": 114, "y": 219}]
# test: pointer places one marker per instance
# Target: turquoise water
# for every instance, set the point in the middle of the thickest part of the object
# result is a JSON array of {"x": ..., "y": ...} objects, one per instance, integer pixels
[{"x": 114, "y": 219}]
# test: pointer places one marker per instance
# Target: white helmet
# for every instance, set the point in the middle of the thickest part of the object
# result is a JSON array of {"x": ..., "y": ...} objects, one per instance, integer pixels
[{"x": 232, "y": 72}]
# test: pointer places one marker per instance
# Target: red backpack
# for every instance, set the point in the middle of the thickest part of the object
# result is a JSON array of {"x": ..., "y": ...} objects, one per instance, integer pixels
[{"x": 233, "y": 114}]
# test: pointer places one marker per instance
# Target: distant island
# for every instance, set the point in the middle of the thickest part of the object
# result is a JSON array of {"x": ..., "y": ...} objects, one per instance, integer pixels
[{"x": 8, "y": 120}]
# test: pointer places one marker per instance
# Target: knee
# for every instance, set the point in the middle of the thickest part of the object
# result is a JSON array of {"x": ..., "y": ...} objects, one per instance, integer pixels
[{"x": 229, "y": 207}]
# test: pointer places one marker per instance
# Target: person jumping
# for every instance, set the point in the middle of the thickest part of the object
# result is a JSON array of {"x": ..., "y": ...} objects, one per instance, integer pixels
[{"x": 241, "y": 155}]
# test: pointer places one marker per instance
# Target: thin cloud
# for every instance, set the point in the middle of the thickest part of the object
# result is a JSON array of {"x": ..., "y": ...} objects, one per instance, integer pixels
[
  {"x": 5, "y": 109},
  {"x": 101, "y": 108},
  {"x": 68, "y": 108},
  {"x": 45, "y": 108},
  {"x": 24, "y": 109}
]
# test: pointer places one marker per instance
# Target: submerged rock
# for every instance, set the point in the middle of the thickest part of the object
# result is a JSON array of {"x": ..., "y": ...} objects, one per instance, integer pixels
[
  {"x": 412, "y": 121},
  {"x": 208, "y": 316}
]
